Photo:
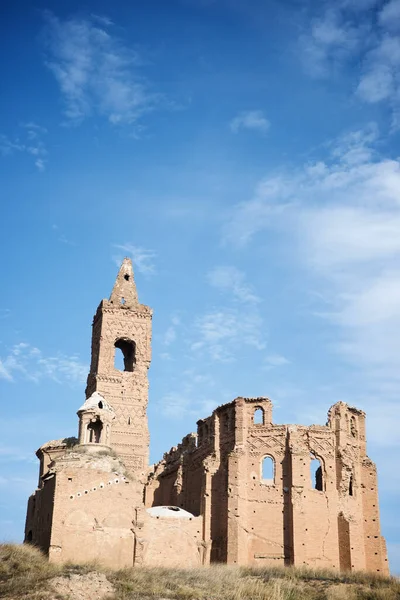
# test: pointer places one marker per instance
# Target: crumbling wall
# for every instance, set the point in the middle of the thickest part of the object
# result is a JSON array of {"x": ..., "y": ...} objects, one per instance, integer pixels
[
  {"x": 329, "y": 518},
  {"x": 39, "y": 518},
  {"x": 39, "y": 514},
  {"x": 94, "y": 508},
  {"x": 374, "y": 544},
  {"x": 314, "y": 509},
  {"x": 263, "y": 517},
  {"x": 168, "y": 542},
  {"x": 361, "y": 544},
  {"x": 255, "y": 510}
]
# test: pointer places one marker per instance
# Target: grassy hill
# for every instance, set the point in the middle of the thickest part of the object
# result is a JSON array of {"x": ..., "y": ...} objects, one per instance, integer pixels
[{"x": 26, "y": 574}]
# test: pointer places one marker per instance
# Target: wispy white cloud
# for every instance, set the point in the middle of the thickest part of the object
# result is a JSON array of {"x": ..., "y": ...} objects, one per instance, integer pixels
[
  {"x": 233, "y": 281},
  {"x": 15, "y": 454},
  {"x": 4, "y": 372},
  {"x": 195, "y": 397},
  {"x": 102, "y": 19},
  {"x": 178, "y": 405},
  {"x": 250, "y": 119},
  {"x": 329, "y": 42},
  {"x": 97, "y": 74},
  {"x": 273, "y": 361},
  {"x": 224, "y": 332},
  {"x": 346, "y": 31},
  {"x": 271, "y": 198},
  {"x": 142, "y": 258},
  {"x": 170, "y": 334},
  {"x": 342, "y": 218},
  {"x": 389, "y": 16},
  {"x": 24, "y": 360},
  {"x": 380, "y": 79},
  {"x": 29, "y": 141}
]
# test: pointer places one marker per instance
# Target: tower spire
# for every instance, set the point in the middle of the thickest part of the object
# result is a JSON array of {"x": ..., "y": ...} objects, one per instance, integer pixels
[{"x": 124, "y": 290}]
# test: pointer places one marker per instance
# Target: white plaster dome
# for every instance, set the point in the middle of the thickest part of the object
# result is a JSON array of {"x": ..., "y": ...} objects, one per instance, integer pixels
[{"x": 94, "y": 402}]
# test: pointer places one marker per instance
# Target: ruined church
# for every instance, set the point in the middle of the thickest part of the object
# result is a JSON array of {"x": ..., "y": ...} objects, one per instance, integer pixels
[{"x": 242, "y": 490}]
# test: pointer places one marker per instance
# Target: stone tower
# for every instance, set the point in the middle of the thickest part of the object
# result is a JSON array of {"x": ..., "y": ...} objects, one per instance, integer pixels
[{"x": 122, "y": 325}]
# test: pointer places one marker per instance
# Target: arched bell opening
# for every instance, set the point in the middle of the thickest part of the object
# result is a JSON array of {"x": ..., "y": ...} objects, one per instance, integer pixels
[
  {"x": 258, "y": 416},
  {"x": 94, "y": 431},
  {"x": 125, "y": 355}
]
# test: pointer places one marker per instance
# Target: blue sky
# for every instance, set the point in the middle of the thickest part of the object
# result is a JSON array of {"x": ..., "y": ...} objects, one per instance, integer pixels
[{"x": 245, "y": 154}]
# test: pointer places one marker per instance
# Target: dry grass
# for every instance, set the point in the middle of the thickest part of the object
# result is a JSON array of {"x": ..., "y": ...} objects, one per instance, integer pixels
[
  {"x": 26, "y": 574},
  {"x": 245, "y": 583}
]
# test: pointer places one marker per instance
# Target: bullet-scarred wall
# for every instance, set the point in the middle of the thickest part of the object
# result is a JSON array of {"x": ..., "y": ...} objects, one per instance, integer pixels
[
  {"x": 264, "y": 501},
  {"x": 255, "y": 493}
]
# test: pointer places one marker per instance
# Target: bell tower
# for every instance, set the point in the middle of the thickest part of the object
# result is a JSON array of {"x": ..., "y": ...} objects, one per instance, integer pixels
[{"x": 122, "y": 326}]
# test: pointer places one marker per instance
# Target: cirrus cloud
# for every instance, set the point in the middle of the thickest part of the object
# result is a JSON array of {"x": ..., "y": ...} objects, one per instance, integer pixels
[{"x": 97, "y": 74}]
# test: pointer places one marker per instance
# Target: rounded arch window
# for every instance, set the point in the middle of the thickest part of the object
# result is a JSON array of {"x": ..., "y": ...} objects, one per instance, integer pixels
[
  {"x": 316, "y": 474},
  {"x": 94, "y": 430},
  {"x": 268, "y": 470},
  {"x": 125, "y": 355},
  {"x": 258, "y": 416}
]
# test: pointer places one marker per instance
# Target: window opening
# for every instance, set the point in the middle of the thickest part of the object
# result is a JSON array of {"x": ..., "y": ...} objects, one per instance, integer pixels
[
  {"x": 316, "y": 474},
  {"x": 126, "y": 277},
  {"x": 353, "y": 427},
  {"x": 94, "y": 431},
  {"x": 29, "y": 536},
  {"x": 125, "y": 359},
  {"x": 351, "y": 482},
  {"x": 258, "y": 418},
  {"x": 122, "y": 300},
  {"x": 267, "y": 469},
  {"x": 100, "y": 404}
]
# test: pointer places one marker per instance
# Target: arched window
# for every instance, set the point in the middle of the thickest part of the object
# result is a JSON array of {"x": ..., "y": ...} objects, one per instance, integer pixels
[
  {"x": 316, "y": 472},
  {"x": 125, "y": 355},
  {"x": 94, "y": 430},
  {"x": 258, "y": 416},
  {"x": 268, "y": 469},
  {"x": 351, "y": 483}
]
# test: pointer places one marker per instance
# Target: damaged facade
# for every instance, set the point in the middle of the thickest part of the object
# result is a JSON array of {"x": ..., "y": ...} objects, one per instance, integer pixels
[{"x": 241, "y": 491}]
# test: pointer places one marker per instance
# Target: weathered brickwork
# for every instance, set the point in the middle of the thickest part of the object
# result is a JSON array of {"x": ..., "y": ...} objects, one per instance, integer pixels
[
  {"x": 291, "y": 516},
  {"x": 121, "y": 323},
  {"x": 242, "y": 490}
]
